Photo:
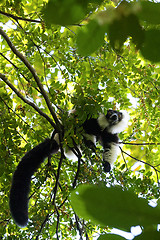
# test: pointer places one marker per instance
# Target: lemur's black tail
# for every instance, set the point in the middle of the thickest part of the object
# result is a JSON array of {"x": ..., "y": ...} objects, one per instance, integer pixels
[{"x": 22, "y": 178}]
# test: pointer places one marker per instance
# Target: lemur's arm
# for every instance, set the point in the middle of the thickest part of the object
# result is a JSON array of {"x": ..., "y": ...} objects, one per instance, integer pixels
[
  {"x": 22, "y": 178},
  {"x": 118, "y": 121},
  {"x": 110, "y": 149},
  {"x": 92, "y": 130}
]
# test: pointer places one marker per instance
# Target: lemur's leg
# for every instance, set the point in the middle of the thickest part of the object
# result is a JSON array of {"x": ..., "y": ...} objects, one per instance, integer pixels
[
  {"x": 110, "y": 146},
  {"x": 90, "y": 141}
]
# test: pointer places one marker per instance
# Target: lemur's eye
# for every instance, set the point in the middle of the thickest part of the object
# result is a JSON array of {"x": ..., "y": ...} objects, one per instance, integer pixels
[
  {"x": 109, "y": 113},
  {"x": 119, "y": 115}
]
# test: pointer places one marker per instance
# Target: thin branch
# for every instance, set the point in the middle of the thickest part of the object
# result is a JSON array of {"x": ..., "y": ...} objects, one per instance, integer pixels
[
  {"x": 78, "y": 227},
  {"x": 17, "y": 68},
  {"x": 136, "y": 159},
  {"x": 123, "y": 158},
  {"x": 77, "y": 173},
  {"x": 44, "y": 50},
  {"x": 9, "y": 108},
  {"x": 57, "y": 225},
  {"x": 75, "y": 150},
  {"x": 48, "y": 216},
  {"x": 33, "y": 105},
  {"x": 87, "y": 238},
  {"x": 77, "y": 153},
  {"x": 49, "y": 164},
  {"x": 34, "y": 74},
  {"x": 140, "y": 160},
  {"x": 43, "y": 224},
  {"x": 9, "y": 61},
  {"x": 58, "y": 173},
  {"x": 51, "y": 55},
  {"x": 139, "y": 144},
  {"x": 19, "y": 18}
]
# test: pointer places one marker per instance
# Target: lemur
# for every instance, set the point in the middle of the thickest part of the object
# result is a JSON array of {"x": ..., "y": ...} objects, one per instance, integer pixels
[{"x": 105, "y": 128}]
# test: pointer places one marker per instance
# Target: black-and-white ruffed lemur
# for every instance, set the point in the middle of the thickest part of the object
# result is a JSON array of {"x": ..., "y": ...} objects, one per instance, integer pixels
[{"x": 105, "y": 129}]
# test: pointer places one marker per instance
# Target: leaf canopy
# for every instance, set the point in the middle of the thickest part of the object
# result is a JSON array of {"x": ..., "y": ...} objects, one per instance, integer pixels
[{"x": 90, "y": 56}]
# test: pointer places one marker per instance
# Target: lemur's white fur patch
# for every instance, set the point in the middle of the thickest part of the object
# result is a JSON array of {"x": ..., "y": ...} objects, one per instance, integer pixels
[
  {"x": 90, "y": 137},
  {"x": 56, "y": 138},
  {"x": 119, "y": 127},
  {"x": 102, "y": 121},
  {"x": 111, "y": 155}
]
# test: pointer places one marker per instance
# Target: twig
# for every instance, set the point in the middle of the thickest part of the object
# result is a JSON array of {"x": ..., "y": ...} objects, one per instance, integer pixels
[
  {"x": 77, "y": 173},
  {"x": 156, "y": 171},
  {"x": 139, "y": 143},
  {"x": 34, "y": 74},
  {"x": 9, "y": 108},
  {"x": 48, "y": 216},
  {"x": 58, "y": 175},
  {"x": 33, "y": 105},
  {"x": 19, "y": 18},
  {"x": 139, "y": 160},
  {"x": 123, "y": 157},
  {"x": 78, "y": 227},
  {"x": 43, "y": 224},
  {"x": 57, "y": 225},
  {"x": 78, "y": 154},
  {"x": 17, "y": 68}
]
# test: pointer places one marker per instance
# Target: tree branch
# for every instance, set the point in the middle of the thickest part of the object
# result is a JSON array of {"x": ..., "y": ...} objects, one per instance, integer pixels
[
  {"x": 17, "y": 68},
  {"x": 78, "y": 227},
  {"x": 43, "y": 224},
  {"x": 123, "y": 157},
  {"x": 10, "y": 109},
  {"x": 139, "y": 144},
  {"x": 78, "y": 154},
  {"x": 77, "y": 172},
  {"x": 136, "y": 159},
  {"x": 19, "y": 18},
  {"x": 57, "y": 225},
  {"x": 34, "y": 74},
  {"x": 33, "y": 105},
  {"x": 58, "y": 174}
]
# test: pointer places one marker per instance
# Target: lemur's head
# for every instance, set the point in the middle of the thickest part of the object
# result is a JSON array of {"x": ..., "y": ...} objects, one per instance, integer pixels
[
  {"x": 113, "y": 117},
  {"x": 118, "y": 121},
  {"x": 113, "y": 121}
]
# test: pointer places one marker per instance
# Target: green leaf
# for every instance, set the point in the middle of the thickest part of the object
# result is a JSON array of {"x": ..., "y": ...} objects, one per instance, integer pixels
[
  {"x": 38, "y": 64},
  {"x": 113, "y": 207},
  {"x": 90, "y": 38},
  {"x": 151, "y": 47},
  {"x": 149, "y": 12},
  {"x": 110, "y": 237},
  {"x": 148, "y": 235},
  {"x": 121, "y": 29},
  {"x": 64, "y": 12}
]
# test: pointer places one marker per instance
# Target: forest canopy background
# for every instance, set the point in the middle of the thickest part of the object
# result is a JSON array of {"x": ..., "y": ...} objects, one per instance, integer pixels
[{"x": 91, "y": 56}]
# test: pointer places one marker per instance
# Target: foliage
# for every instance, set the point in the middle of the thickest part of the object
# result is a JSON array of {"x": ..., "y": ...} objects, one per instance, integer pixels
[
  {"x": 112, "y": 206},
  {"x": 48, "y": 67}
]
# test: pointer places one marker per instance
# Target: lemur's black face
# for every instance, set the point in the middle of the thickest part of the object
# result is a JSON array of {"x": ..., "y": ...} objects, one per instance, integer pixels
[{"x": 113, "y": 117}]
